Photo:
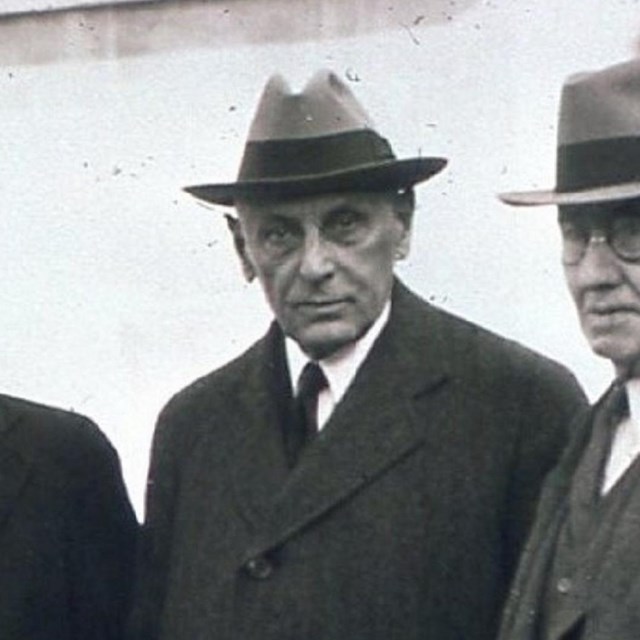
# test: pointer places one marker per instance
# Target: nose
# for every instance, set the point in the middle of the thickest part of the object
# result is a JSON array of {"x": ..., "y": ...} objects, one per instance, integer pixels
[
  {"x": 316, "y": 262},
  {"x": 599, "y": 266}
]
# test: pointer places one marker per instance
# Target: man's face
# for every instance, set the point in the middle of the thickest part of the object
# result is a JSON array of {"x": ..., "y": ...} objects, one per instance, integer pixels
[
  {"x": 325, "y": 262},
  {"x": 601, "y": 255}
]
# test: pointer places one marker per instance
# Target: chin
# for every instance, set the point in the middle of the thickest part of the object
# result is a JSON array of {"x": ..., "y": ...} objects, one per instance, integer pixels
[
  {"x": 623, "y": 353},
  {"x": 321, "y": 344},
  {"x": 318, "y": 350}
]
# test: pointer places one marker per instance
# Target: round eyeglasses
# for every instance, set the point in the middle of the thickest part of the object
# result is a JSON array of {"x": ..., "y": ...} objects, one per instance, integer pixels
[{"x": 620, "y": 232}]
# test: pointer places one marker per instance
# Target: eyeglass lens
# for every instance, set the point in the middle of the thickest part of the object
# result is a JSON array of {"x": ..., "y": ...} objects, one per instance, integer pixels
[{"x": 621, "y": 229}]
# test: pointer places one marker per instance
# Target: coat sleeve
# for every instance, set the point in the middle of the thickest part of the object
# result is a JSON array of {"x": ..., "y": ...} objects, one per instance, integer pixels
[
  {"x": 101, "y": 530},
  {"x": 551, "y": 403}
]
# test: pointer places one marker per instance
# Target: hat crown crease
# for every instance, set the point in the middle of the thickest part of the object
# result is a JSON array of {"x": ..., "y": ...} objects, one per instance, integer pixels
[{"x": 325, "y": 106}]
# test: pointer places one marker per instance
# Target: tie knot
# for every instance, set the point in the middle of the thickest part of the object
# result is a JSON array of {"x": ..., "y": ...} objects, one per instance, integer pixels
[
  {"x": 617, "y": 407},
  {"x": 311, "y": 381}
]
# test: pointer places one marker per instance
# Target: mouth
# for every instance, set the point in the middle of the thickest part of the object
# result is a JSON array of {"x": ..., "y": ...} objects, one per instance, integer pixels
[
  {"x": 320, "y": 305},
  {"x": 609, "y": 310},
  {"x": 609, "y": 318},
  {"x": 320, "y": 302}
]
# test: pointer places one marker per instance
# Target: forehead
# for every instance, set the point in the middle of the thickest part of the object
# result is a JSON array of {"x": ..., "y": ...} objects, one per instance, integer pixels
[
  {"x": 599, "y": 212},
  {"x": 316, "y": 206}
]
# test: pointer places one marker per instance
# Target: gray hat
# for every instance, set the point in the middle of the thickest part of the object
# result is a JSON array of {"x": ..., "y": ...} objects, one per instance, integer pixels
[
  {"x": 317, "y": 141},
  {"x": 598, "y": 140}
]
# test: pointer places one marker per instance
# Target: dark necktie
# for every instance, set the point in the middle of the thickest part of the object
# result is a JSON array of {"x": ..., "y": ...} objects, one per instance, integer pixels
[
  {"x": 591, "y": 470},
  {"x": 310, "y": 383},
  {"x": 617, "y": 410}
]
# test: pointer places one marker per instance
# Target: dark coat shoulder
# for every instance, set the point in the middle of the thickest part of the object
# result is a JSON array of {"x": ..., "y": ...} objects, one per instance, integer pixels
[{"x": 67, "y": 530}]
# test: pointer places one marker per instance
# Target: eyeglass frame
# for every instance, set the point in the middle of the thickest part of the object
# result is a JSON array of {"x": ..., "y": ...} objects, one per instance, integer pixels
[{"x": 598, "y": 223}]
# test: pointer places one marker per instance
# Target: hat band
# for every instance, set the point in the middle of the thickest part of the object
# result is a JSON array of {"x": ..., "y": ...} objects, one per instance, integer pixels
[
  {"x": 598, "y": 163},
  {"x": 277, "y": 159}
]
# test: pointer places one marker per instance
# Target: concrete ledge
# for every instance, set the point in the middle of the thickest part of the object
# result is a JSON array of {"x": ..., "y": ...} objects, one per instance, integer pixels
[
  {"x": 13, "y": 8},
  {"x": 110, "y": 30}
]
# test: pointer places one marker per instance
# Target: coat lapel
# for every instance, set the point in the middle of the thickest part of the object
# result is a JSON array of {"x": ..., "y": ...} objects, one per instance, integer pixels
[
  {"x": 14, "y": 464},
  {"x": 523, "y": 607},
  {"x": 373, "y": 427},
  {"x": 620, "y": 565},
  {"x": 258, "y": 413}
]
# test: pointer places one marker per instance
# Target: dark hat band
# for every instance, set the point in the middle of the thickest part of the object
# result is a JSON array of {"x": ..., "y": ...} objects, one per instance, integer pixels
[
  {"x": 277, "y": 159},
  {"x": 598, "y": 163}
]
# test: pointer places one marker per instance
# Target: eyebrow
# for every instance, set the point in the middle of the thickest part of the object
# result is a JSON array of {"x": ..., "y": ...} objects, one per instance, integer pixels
[
  {"x": 631, "y": 207},
  {"x": 343, "y": 207},
  {"x": 275, "y": 215}
]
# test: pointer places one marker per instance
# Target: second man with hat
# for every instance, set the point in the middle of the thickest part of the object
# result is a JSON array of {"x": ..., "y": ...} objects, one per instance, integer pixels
[
  {"x": 579, "y": 578},
  {"x": 368, "y": 469}
]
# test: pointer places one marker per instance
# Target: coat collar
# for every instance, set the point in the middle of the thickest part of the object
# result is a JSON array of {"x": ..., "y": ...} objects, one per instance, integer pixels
[{"x": 373, "y": 427}]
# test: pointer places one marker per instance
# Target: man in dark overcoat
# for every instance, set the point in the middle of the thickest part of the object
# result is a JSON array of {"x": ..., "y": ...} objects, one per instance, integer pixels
[
  {"x": 579, "y": 578},
  {"x": 368, "y": 469},
  {"x": 67, "y": 530}
]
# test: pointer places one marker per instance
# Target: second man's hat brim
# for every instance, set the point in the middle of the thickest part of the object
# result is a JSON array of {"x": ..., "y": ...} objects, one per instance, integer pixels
[{"x": 609, "y": 193}]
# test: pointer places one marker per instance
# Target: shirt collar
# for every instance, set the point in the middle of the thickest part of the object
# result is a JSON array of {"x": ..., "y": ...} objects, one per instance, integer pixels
[
  {"x": 339, "y": 368},
  {"x": 633, "y": 396}
]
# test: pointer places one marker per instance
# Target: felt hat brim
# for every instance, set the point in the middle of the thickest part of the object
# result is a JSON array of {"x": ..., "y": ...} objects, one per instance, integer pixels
[
  {"x": 379, "y": 176},
  {"x": 609, "y": 193}
]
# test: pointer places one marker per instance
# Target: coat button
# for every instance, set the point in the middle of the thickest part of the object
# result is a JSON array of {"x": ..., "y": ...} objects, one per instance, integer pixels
[
  {"x": 259, "y": 568},
  {"x": 564, "y": 585}
]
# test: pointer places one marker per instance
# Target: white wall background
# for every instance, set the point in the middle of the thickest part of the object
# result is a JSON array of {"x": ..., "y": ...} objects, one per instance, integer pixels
[{"x": 118, "y": 289}]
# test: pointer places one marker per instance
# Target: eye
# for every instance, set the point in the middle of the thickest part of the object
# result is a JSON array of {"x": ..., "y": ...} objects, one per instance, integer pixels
[
  {"x": 345, "y": 219},
  {"x": 625, "y": 237},
  {"x": 345, "y": 225},
  {"x": 572, "y": 231},
  {"x": 278, "y": 235}
]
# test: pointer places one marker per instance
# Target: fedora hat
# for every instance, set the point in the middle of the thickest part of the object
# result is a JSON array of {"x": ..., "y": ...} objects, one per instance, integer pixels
[
  {"x": 598, "y": 158},
  {"x": 318, "y": 141}
]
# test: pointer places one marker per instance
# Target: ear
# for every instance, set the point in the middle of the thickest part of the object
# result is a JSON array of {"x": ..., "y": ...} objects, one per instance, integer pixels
[
  {"x": 240, "y": 244},
  {"x": 404, "y": 205},
  {"x": 404, "y": 244}
]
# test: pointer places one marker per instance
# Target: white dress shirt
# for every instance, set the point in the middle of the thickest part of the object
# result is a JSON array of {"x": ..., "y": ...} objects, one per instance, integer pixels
[
  {"x": 339, "y": 368},
  {"x": 626, "y": 441}
]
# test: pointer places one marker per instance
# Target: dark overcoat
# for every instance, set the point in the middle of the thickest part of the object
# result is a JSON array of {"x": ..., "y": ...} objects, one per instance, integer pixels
[
  {"x": 402, "y": 520},
  {"x": 67, "y": 530},
  {"x": 612, "y": 604}
]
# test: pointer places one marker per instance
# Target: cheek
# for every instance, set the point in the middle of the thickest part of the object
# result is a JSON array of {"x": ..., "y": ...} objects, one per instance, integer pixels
[
  {"x": 572, "y": 285},
  {"x": 379, "y": 256},
  {"x": 632, "y": 279},
  {"x": 373, "y": 270},
  {"x": 276, "y": 278}
]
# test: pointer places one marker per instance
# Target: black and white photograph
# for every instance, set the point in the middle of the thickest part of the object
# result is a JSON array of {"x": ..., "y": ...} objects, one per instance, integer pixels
[{"x": 321, "y": 320}]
